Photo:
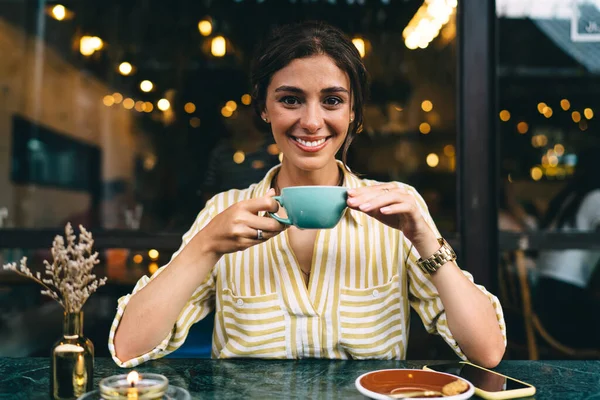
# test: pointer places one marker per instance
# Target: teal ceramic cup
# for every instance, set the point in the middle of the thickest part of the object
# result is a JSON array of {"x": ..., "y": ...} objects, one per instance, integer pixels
[{"x": 312, "y": 207}]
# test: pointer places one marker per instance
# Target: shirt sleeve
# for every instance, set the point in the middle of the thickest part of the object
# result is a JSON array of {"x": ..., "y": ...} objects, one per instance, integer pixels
[
  {"x": 424, "y": 297},
  {"x": 200, "y": 304},
  {"x": 589, "y": 212}
]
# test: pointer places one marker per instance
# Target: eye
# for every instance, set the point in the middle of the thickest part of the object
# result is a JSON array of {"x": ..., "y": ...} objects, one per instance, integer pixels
[
  {"x": 333, "y": 101},
  {"x": 290, "y": 100}
]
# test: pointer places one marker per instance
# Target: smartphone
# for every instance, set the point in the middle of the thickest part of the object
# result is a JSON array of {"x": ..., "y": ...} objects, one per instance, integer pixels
[{"x": 488, "y": 384}]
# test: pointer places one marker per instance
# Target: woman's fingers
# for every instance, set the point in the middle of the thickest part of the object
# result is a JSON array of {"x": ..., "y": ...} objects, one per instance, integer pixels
[
  {"x": 264, "y": 203},
  {"x": 265, "y": 223},
  {"x": 249, "y": 235},
  {"x": 367, "y": 195}
]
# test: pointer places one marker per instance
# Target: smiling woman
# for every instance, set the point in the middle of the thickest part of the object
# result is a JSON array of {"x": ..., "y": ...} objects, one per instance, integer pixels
[{"x": 282, "y": 292}]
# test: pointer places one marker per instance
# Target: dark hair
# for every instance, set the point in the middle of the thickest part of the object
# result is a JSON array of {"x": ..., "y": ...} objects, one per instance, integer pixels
[
  {"x": 564, "y": 206},
  {"x": 306, "y": 39}
]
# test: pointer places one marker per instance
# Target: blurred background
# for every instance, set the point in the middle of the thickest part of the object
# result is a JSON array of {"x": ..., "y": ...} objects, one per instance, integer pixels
[{"x": 126, "y": 117}]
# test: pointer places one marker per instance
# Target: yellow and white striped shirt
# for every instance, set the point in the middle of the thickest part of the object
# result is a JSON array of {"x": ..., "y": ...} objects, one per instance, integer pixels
[{"x": 356, "y": 305}]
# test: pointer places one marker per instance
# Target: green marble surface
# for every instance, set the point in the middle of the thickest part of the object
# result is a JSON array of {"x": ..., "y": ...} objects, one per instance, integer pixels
[{"x": 27, "y": 378}]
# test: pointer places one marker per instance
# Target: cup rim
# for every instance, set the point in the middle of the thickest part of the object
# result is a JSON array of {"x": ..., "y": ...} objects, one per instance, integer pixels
[{"x": 314, "y": 186}]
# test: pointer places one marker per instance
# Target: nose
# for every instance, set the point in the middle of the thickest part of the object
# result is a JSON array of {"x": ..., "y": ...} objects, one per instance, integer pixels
[{"x": 312, "y": 118}]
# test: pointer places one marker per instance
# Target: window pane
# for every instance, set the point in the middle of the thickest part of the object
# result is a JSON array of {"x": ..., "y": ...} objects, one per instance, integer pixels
[
  {"x": 118, "y": 116},
  {"x": 549, "y": 75}
]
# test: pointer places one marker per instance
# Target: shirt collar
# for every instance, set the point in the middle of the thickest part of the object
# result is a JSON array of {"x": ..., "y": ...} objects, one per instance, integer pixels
[{"x": 351, "y": 181}]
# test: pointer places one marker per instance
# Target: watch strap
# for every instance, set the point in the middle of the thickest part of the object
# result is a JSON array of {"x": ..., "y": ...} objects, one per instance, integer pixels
[{"x": 432, "y": 263}]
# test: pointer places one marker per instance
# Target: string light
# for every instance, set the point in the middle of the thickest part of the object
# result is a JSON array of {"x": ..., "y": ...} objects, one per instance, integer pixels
[
  {"x": 427, "y": 105},
  {"x": 218, "y": 46},
  {"x": 427, "y": 22},
  {"x": 433, "y": 160},
  {"x": 226, "y": 112},
  {"x": 360, "y": 46},
  {"x": 59, "y": 12},
  {"x": 125, "y": 68},
  {"x": 88, "y": 45},
  {"x": 246, "y": 99},
  {"x": 108, "y": 100},
  {"x": 505, "y": 115},
  {"x": 522, "y": 127},
  {"x": 152, "y": 268},
  {"x": 565, "y": 104},
  {"x": 536, "y": 173},
  {"x": 128, "y": 103},
  {"x": 153, "y": 254},
  {"x": 231, "y": 105},
  {"x": 205, "y": 27},
  {"x": 189, "y": 108},
  {"x": 163, "y": 104},
  {"x": 239, "y": 157},
  {"x": 424, "y": 128},
  {"x": 146, "y": 86},
  {"x": 541, "y": 107},
  {"x": 195, "y": 122},
  {"x": 449, "y": 150}
]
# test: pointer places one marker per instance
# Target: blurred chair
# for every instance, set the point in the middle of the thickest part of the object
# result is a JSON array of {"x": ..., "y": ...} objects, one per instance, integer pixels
[{"x": 515, "y": 293}]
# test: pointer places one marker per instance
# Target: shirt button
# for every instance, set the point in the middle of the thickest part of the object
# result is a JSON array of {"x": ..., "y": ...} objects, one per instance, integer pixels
[
  {"x": 240, "y": 302},
  {"x": 375, "y": 293}
]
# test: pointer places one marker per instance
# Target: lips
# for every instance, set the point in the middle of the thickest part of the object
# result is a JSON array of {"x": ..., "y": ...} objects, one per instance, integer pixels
[{"x": 310, "y": 144}]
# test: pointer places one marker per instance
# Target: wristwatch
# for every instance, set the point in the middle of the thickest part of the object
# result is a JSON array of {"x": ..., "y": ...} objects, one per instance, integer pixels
[{"x": 437, "y": 259}]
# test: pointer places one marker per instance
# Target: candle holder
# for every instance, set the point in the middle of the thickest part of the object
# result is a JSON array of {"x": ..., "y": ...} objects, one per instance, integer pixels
[{"x": 147, "y": 387}]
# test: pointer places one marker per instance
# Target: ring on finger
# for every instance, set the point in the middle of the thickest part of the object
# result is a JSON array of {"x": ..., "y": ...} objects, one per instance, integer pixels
[{"x": 259, "y": 234}]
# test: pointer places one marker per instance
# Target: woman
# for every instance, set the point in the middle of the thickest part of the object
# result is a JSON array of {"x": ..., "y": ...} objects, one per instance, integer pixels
[
  {"x": 289, "y": 293},
  {"x": 565, "y": 299}
]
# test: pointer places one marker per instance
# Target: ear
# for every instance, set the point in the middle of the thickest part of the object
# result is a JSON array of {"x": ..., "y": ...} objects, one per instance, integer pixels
[{"x": 264, "y": 116}]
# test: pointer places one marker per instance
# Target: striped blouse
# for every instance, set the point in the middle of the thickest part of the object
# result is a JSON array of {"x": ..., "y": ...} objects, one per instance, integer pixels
[{"x": 364, "y": 277}]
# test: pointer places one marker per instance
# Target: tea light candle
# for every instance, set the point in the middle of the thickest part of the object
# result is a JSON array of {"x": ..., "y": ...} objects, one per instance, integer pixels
[
  {"x": 134, "y": 386},
  {"x": 132, "y": 378}
]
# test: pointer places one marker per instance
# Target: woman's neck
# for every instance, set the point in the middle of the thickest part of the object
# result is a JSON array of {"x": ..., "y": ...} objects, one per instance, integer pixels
[{"x": 291, "y": 176}]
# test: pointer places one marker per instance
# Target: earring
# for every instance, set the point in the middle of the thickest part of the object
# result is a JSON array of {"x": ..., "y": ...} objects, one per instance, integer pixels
[
  {"x": 351, "y": 119},
  {"x": 266, "y": 120}
]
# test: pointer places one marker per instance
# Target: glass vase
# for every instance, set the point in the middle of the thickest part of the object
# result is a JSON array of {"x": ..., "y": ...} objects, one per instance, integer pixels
[{"x": 72, "y": 361}]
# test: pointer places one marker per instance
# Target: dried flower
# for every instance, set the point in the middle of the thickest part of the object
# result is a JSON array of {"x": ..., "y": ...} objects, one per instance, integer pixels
[{"x": 69, "y": 279}]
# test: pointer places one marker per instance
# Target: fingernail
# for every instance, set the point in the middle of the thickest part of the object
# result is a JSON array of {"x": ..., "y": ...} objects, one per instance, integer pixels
[{"x": 385, "y": 209}]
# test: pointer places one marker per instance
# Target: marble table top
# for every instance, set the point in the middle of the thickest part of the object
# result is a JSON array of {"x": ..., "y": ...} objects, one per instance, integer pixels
[{"x": 28, "y": 378}]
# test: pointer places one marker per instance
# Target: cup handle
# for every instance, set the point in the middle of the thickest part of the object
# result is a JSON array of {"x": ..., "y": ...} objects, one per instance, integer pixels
[{"x": 285, "y": 221}]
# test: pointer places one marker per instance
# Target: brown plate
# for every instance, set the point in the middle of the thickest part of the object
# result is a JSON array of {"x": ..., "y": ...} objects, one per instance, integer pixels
[{"x": 383, "y": 383}]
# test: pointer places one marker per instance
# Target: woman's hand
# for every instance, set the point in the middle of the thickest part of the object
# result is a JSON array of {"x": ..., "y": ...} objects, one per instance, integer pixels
[
  {"x": 236, "y": 228},
  {"x": 393, "y": 206}
]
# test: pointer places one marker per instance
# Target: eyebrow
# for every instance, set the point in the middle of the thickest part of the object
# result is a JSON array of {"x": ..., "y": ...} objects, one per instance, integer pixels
[{"x": 294, "y": 89}]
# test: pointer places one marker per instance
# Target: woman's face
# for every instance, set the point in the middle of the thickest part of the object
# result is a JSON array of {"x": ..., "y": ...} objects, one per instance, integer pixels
[{"x": 309, "y": 106}]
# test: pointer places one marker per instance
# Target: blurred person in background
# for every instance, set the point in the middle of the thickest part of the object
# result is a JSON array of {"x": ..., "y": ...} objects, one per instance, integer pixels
[
  {"x": 512, "y": 216},
  {"x": 226, "y": 168},
  {"x": 564, "y": 296}
]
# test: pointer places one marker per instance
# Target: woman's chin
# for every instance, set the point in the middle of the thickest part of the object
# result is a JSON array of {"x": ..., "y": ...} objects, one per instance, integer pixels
[{"x": 313, "y": 163}]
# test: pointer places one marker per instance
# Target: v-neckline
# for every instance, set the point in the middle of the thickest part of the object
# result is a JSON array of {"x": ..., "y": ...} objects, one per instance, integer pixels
[{"x": 294, "y": 259}]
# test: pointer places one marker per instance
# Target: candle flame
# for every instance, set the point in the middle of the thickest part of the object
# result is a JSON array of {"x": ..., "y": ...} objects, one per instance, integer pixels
[{"x": 132, "y": 378}]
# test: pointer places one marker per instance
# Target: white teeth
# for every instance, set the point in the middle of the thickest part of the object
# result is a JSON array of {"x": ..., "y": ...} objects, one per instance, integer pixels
[{"x": 311, "y": 144}]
